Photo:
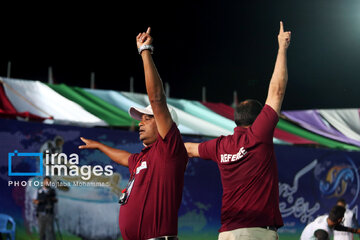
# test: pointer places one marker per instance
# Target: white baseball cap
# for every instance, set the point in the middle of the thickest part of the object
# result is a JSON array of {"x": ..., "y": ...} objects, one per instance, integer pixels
[{"x": 136, "y": 113}]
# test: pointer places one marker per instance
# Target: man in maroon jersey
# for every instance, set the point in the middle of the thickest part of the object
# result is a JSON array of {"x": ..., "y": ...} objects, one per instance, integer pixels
[
  {"x": 247, "y": 164},
  {"x": 152, "y": 198}
]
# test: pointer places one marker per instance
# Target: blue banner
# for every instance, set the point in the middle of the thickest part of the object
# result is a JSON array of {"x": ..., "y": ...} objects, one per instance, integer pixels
[{"x": 310, "y": 182}]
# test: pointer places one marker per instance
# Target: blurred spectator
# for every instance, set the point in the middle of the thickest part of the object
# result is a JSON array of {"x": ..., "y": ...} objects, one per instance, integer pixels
[{"x": 45, "y": 201}]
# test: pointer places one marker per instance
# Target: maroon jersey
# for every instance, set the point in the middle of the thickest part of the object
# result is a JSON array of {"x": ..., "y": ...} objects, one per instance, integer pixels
[
  {"x": 155, "y": 197},
  {"x": 249, "y": 175}
]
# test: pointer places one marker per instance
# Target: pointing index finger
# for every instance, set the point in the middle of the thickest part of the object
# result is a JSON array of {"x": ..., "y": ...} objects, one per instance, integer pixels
[{"x": 281, "y": 27}]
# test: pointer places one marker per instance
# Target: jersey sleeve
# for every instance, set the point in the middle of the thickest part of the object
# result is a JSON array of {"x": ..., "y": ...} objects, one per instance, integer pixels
[
  {"x": 264, "y": 125},
  {"x": 172, "y": 143},
  {"x": 208, "y": 149}
]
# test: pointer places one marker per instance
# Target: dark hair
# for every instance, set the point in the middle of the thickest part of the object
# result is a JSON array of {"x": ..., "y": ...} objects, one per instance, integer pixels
[
  {"x": 342, "y": 201},
  {"x": 336, "y": 213},
  {"x": 246, "y": 112},
  {"x": 47, "y": 177},
  {"x": 321, "y": 234}
]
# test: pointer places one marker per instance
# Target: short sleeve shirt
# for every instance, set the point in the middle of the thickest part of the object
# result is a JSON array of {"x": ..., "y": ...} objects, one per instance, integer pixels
[
  {"x": 153, "y": 204},
  {"x": 249, "y": 174}
]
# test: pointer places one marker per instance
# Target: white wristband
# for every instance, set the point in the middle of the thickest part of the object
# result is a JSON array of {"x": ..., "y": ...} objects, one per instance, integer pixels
[{"x": 146, "y": 47}]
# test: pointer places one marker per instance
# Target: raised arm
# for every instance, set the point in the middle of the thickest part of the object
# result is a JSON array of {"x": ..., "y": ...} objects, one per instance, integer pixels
[
  {"x": 279, "y": 78},
  {"x": 154, "y": 86},
  {"x": 192, "y": 149},
  {"x": 117, "y": 155}
]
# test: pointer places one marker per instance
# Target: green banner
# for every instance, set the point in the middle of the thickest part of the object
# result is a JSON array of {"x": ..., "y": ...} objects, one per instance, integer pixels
[{"x": 105, "y": 111}]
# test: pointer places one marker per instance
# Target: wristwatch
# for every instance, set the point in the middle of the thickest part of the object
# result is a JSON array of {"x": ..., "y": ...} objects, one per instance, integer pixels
[{"x": 146, "y": 47}]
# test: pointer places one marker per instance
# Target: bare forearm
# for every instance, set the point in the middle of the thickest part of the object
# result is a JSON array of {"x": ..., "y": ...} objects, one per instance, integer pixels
[
  {"x": 192, "y": 149},
  {"x": 154, "y": 85},
  {"x": 279, "y": 78},
  {"x": 280, "y": 74},
  {"x": 117, "y": 155}
]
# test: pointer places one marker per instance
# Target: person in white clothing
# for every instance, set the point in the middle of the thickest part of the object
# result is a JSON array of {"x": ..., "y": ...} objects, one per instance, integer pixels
[
  {"x": 321, "y": 235},
  {"x": 349, "y": 221},
  {"x": 327, "y": 223}
]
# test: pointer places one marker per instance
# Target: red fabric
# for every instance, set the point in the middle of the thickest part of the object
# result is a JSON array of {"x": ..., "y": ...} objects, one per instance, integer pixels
[
  {"x": 221, "y": 109},
  {"x": 291, "y": 138},
  {"x": 5, "y": 105},
  {"x": 249, "y": 174},
  {"x": 154, "y": 200},
  {"x": 7, "y": 110}
]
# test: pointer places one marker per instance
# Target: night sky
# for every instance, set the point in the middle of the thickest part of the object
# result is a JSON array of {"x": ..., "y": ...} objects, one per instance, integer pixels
[{"x": 222, "y": 45}]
